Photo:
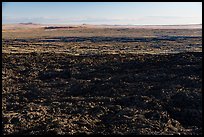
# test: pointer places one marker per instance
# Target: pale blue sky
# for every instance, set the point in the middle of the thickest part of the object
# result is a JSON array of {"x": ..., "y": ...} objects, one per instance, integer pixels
[{"x": 124, "y": 13}]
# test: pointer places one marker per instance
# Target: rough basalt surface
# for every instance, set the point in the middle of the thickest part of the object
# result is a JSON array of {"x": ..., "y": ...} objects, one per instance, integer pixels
[{"x": 50, "y": 93}]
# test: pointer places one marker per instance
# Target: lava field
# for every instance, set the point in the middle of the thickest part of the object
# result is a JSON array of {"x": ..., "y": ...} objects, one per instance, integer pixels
[{"x": 110, "y": 94}]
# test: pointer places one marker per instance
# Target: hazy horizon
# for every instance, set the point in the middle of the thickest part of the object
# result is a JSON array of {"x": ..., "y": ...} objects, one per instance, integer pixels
[
  {"x": 103, "y": 13},
  {"x": 64, "y": 24}
]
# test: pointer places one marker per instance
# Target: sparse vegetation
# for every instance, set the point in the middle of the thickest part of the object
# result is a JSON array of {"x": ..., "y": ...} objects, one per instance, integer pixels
[{"x": 102, "y": 81}]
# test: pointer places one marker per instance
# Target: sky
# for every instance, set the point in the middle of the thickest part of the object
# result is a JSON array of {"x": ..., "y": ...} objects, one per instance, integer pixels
[{"x": 110, "y": 13}]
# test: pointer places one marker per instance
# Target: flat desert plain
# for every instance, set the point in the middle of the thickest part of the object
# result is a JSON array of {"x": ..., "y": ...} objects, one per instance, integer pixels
[{"x": 101, "y": 79}]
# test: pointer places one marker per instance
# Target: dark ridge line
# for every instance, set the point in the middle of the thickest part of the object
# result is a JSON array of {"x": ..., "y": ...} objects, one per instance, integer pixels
[{"x": 103, "y": 39}]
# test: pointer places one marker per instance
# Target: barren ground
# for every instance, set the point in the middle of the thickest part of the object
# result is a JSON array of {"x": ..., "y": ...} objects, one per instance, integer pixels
[{"x": 107, "y": 81}]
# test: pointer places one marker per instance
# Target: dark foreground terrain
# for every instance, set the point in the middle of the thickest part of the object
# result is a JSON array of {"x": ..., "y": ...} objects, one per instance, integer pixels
[{"x": 56, "y": 93}]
